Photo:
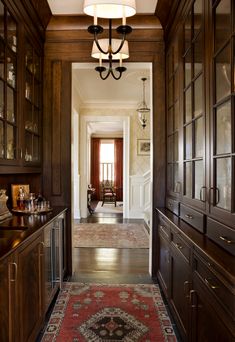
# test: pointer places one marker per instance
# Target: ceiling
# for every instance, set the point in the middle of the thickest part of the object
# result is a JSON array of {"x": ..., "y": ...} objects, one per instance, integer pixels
[
  {"x": 60, "y": 7},
  {"x": 94, "y": 92}
]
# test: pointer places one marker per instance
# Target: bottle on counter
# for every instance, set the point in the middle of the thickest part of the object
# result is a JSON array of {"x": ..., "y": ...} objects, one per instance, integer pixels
[{"x": 21, "y": 199}]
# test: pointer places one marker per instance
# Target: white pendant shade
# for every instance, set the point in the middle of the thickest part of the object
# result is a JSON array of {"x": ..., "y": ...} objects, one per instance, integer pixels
[
  {"x": 104, "y": 43},
  {"x": 109, "y": 9}
]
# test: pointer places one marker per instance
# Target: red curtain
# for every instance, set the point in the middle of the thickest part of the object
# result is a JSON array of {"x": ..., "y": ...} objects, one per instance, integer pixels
[
  {"x": 118, "y": 167},
  {"x": 95, "y": 166}
]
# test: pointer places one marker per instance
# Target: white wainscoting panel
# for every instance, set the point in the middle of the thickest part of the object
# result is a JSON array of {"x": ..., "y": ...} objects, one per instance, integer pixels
[{"x": 140, "y": 192}]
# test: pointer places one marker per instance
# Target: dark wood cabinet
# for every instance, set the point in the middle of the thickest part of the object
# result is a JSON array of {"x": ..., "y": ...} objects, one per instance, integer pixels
[
  {"x": 30, "y": 274},
  {"x": 20, "y": 95},
  {"x": 8, "y": 297},
  {"x": 198, "y": 285}
]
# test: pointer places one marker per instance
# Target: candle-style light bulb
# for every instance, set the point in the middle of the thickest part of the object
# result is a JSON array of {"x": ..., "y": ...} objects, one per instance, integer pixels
[
  {"x": 95, "y": 16},
  {"x": 120, "y": 60},
  {"x": 124, "y": 16},
  {"x": 100, "y": 60}
]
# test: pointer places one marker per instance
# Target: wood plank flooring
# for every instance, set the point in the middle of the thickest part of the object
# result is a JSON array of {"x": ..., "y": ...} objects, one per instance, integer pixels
[{"x": 110, "y": 265}]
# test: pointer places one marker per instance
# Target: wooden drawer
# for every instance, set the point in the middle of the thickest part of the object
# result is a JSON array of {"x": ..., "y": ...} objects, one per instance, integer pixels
[
  {"x": 222, "y": 235},
  {"x": 172, "y": 205},
  {"x": 180, "y": 244},
  {"x": 222, "y": 293},
  {"x": 164, "y": 227},
  {"x": 193, "y": 217}
]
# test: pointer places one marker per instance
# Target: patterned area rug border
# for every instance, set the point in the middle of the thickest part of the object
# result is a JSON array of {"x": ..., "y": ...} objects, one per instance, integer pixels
[
  {"x": 104, "y": 235},
  {"x": 53, "y": 330}
]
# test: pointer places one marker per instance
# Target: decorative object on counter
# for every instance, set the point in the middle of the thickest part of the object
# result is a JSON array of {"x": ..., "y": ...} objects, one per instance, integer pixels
[
  {"x": 4, "y": 211},
  {"x": 16, "y": 190},
  {"x": 26, "y": 202}
]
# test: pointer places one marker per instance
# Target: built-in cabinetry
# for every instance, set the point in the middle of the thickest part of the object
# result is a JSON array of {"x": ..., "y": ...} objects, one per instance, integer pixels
[
  {"x": 198, "y": 280},
  {"x": 20, "y": 94},
  {"x": 30, "y": 277}
]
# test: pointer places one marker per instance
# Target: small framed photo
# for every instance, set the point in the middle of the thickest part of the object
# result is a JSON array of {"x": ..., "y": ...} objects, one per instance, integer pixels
[
  {"x": 15, "y": 189},
  {"x": 143, "y": 147}
]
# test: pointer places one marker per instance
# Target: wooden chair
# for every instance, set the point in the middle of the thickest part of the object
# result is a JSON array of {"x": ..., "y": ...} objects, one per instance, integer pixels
[{"x": 108, "y": 193}]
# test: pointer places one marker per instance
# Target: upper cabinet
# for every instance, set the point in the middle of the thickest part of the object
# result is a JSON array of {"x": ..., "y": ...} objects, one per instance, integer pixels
[
  {"x": 193, "y": 128},
  {"x": 9, "y": 120},
  {"x": 200, "y": 82},
  {"x": 222, "y": 152},
  {"x": 20, "y": 96}
]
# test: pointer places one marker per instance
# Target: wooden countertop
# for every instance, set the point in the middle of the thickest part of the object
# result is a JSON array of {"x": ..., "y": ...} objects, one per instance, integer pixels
[{"x": 16, "y": 229}]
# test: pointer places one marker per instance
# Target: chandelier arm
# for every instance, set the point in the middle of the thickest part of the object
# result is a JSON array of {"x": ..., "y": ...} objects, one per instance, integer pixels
[
  {"x": 114, "y": 76},
  {"x": 98, "y": 45}
]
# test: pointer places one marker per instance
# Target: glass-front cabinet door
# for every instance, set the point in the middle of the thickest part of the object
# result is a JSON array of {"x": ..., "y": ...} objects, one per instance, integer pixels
[
  {"x": 8, "y": 88},
  {"x": 32, "y": 105},
  {"x": 222, "y": 190},
  {"x": 194, "y": 187},
  {"x": 173, "y": 184}
]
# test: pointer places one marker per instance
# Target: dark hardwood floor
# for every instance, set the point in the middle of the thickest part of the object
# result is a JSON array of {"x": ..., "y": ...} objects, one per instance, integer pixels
[{"x": 110, "y": 265}]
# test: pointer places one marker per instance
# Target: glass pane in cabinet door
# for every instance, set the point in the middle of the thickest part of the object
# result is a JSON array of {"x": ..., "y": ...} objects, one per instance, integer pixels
[
  {"x": 222, "y": 22},
  {"x": 10, "y": 105},
  {"x": 176, "y": 115},
  {"x": 223, "y": 183},
  {"x": 199, "y": 178},
  {"x": 198, "y": 55},
  {"x": 36, "y": 115},
  {"x": 170, "y": 121},
  {"x": 11, "y": 71},
  {"x": 29, "y": 56},
  {"x": 2, "y": 55},
  {"x": 1, "y": 140},
  {"x": 188, "y": 142},
  {"x": 223, "y": 128},
  {"x": 35, "y": 149},
  {"x": 197, "y": 9},
  {"x": 170, "y": 177},
  {"x": 187, "y": 69},
  {"x": 176, "y": 178},
  {"x": 10, "y": 142},
  {"x": 199, "y": 137},
  {"x": 187, "y": 32},
  {"x": 1, "y": 99},
  {"x": 170, "y": 148},
  {"x": 223, "y": 73},
  {"x": 176, "y": 148},
  {"x": 1, "y": 20},
  {"x": 37, "y": 67},
  {"x": 11, "y": 33},
  {"x": 198, "y": 86},
  {"x": 28, "y": 116},
  {"x": 28, "y": 147},
  {"x": 28, "y": 86},
  {"x": 188, "y": 105},
  {"x": 188, "y": 179}
]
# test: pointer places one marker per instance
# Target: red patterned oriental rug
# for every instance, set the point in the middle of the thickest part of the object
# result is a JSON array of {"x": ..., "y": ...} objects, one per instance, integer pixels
[{"x": 109, "y": 313}]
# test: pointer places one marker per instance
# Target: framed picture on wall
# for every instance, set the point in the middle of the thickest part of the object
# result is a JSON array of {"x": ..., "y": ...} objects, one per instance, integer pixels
[{"x": 143, "y": 147}]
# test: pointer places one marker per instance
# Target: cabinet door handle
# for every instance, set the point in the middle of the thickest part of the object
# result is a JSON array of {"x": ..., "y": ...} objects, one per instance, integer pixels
[
  {"x": 208, "y": 283},
  {"x": 42, "y": 249},
  {"x": 192, "y": 294},
  {"x": 188, "y": 216},
  {"x": 226, "y": 240},
  {"x": 186, "y": 287},
  {"x": 202, "y": 197},
  {"x": 212, "y": 197}
]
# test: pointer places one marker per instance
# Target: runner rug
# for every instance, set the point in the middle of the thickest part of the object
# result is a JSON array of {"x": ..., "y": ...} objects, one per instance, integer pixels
[
  {"x": 131, "y": 235},
  {"x": 109, "y": 313}
]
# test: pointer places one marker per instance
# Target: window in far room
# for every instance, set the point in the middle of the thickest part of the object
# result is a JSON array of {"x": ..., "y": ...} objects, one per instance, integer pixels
[{"x": 107, "y": 160}]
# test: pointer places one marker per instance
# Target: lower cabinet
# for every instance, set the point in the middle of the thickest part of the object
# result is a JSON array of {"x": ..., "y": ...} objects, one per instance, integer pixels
[
  {"x": 29, "y": 279},
  {"x": 200, "y": 295},
  {"x": 30, "y": 289}
]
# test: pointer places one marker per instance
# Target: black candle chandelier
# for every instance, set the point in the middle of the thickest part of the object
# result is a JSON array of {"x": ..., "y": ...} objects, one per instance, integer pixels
[{"x": 109, "y": 49}]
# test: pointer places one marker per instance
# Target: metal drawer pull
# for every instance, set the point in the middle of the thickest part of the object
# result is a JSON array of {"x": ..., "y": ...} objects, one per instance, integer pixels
[
  {"x": 162, "y": 227},
  {"x": 213, "y": 287},
  {"x": 188, "y": 216},
  {"x": 14, "y": 264},
  {"x": 178, "y": 245},
  {"x": 225, "y": 239}
]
